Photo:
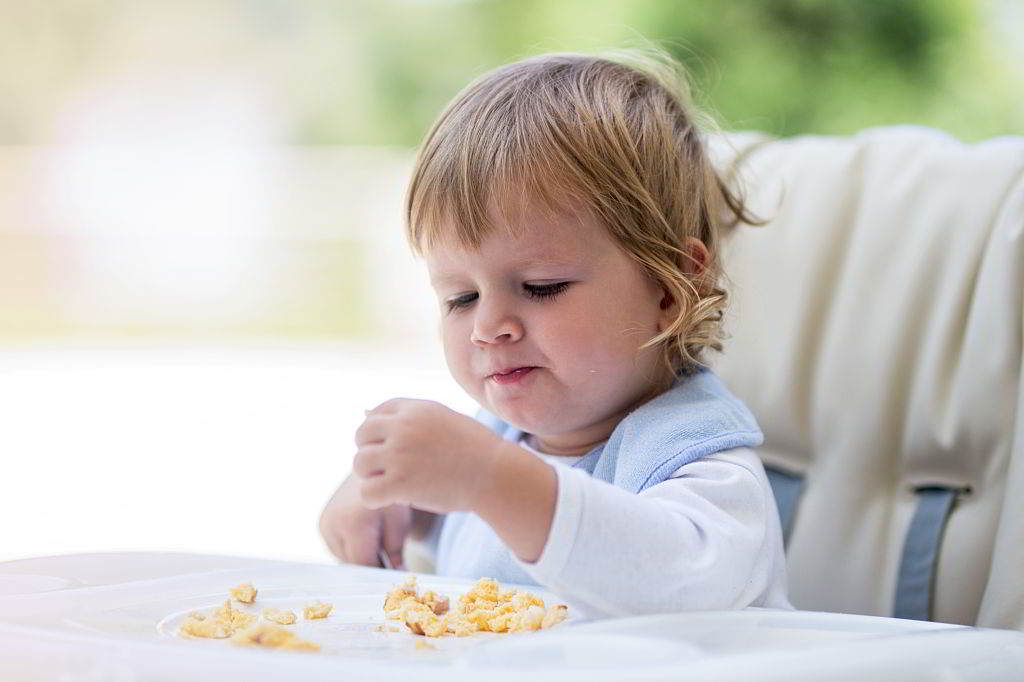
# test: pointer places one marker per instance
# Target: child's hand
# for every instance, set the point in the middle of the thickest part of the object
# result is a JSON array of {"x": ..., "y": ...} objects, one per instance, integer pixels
[
  {"x": 421, "y": 453},
  {"x": 355, "y": 534}
]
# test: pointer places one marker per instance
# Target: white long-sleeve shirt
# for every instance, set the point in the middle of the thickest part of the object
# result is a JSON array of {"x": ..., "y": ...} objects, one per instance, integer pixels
[{"x": 706, "y": 538}]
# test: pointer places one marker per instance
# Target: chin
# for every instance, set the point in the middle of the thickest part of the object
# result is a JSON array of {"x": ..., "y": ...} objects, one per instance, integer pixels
[{"x": 538, "y": 426}]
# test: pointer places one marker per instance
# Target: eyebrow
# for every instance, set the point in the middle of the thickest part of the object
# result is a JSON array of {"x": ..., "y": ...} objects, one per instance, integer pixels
[{"x": 444, "y": 277}]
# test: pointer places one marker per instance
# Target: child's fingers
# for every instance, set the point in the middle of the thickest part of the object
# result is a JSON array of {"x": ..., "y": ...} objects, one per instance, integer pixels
[
  {"x": 395, "y": 527},
  {"x": 330, "y": 531},
  {"x": 361, "y": 546},
  {"x": 376, "y": 492},
  {"x": 334, "y": 544},
  {"x": 373, "y": 430},
  {"x": 397, "y": 562},
  {"x": 368, "y": 461},
  {"x": 387, "y": 407}
]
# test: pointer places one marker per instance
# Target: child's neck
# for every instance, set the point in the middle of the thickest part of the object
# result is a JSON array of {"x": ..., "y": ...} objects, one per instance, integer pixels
[{"x": 552, "y": 449}]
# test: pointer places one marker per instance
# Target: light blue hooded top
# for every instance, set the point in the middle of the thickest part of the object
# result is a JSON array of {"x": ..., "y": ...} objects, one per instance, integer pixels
[{"x": 696, "y": 417}]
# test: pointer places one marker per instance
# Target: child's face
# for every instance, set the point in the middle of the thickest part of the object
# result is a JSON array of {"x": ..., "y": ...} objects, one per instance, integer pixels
[{"x": 564, "y": 300}]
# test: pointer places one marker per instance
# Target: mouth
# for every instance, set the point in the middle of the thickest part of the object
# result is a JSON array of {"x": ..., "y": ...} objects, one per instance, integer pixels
[{"x": 511, "y": 375}]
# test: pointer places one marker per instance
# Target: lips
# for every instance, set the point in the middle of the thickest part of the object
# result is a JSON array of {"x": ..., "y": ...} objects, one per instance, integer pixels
[
  {"x": 512, "y": 377},
  {"x": 508, "y": 370}
]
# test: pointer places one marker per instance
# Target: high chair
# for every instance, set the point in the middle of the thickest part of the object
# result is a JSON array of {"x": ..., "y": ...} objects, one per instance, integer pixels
[{"x": 875, "y": 331}]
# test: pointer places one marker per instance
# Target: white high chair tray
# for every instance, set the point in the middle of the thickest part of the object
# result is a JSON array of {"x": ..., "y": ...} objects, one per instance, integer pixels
[{"x": 116, "y": 616}]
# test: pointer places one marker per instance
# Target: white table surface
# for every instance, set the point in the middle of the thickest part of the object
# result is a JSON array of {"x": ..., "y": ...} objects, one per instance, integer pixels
[{"x": 111, "y": 616}]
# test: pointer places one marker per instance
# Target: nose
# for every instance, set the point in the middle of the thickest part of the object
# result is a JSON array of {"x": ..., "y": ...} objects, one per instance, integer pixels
[{"x": 495, "y": 324}]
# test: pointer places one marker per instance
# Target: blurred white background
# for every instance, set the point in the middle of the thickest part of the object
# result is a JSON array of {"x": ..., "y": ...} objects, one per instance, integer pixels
[
  {"x": 226, "y": 450},
  {"x": 194, "y": 331},
  {"x": 195, "y": 309}
]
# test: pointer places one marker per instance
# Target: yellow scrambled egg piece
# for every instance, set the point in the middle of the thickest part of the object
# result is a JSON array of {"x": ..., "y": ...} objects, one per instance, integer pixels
[{"x": 485, "y": 608}]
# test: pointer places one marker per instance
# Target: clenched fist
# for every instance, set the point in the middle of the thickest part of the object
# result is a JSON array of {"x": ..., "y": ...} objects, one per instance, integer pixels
[{"x": 423, "y": 454}]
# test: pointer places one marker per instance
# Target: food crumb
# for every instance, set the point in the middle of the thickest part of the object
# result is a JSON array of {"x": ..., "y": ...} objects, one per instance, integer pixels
[
  {"x": 484, "y": 608},
  {"x": 241, "y": 627},
  {"x": 244, "y": 593},
  {"x": 554, "y": 616},
  {"x": 194, "y": 627},
  {"x": 281, "y": 617},
  {"x": 272, "y": 637},
  {"x": 317, "y": 610},
  {"x": 225, "y": 622}
]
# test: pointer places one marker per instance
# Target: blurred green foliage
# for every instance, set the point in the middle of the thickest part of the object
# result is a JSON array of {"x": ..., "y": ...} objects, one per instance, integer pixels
[{"x": 782, "y": 66}]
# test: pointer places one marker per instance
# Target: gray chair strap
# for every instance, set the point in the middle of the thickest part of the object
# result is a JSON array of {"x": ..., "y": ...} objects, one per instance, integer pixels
[
  {"x": 920, "y": 552},
  {"x": 787, "y": 488}
]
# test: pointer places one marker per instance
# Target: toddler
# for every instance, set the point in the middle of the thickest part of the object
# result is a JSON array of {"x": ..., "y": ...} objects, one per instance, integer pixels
[{"x": 570, "y": 220}]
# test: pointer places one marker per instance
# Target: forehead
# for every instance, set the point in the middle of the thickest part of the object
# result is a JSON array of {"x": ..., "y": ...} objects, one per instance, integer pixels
[{"x": 535, "y": 239}]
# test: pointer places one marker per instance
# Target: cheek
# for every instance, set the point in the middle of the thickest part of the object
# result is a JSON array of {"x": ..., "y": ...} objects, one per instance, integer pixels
[
  {"x": 609, "y": 323},
  {"x": 580, "y": 340},
  {"x": 606, "y": 334},
  {"x": 457, "y": 347}
]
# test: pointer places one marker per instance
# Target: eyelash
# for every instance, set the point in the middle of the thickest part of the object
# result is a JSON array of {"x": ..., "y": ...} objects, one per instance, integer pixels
[{"x": 546, "y": 291}]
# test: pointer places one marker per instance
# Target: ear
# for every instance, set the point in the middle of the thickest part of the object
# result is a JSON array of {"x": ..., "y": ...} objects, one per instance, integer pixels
[
  {"x": 694, "y": 263},
  {"x": 668, "y": 309},
  {"x": 696, "y": 258}
]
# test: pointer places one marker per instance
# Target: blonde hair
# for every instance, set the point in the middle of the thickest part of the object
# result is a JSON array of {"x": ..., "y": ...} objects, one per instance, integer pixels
[{"x": 615, "y": 134}]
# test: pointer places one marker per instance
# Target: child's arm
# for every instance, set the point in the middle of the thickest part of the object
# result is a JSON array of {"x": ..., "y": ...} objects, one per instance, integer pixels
[
  {"x": 708, "y": 538},
  {"x": 517, "y": 499}
]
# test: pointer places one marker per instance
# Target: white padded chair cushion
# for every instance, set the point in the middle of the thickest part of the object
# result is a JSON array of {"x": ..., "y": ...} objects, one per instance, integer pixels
[{"x": 876, "y": 328}]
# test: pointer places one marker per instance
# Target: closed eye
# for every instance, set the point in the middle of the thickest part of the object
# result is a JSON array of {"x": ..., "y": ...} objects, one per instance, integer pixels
[
  {"x": 545, "y": 290},
  {"x": 535, "y": 291}
]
